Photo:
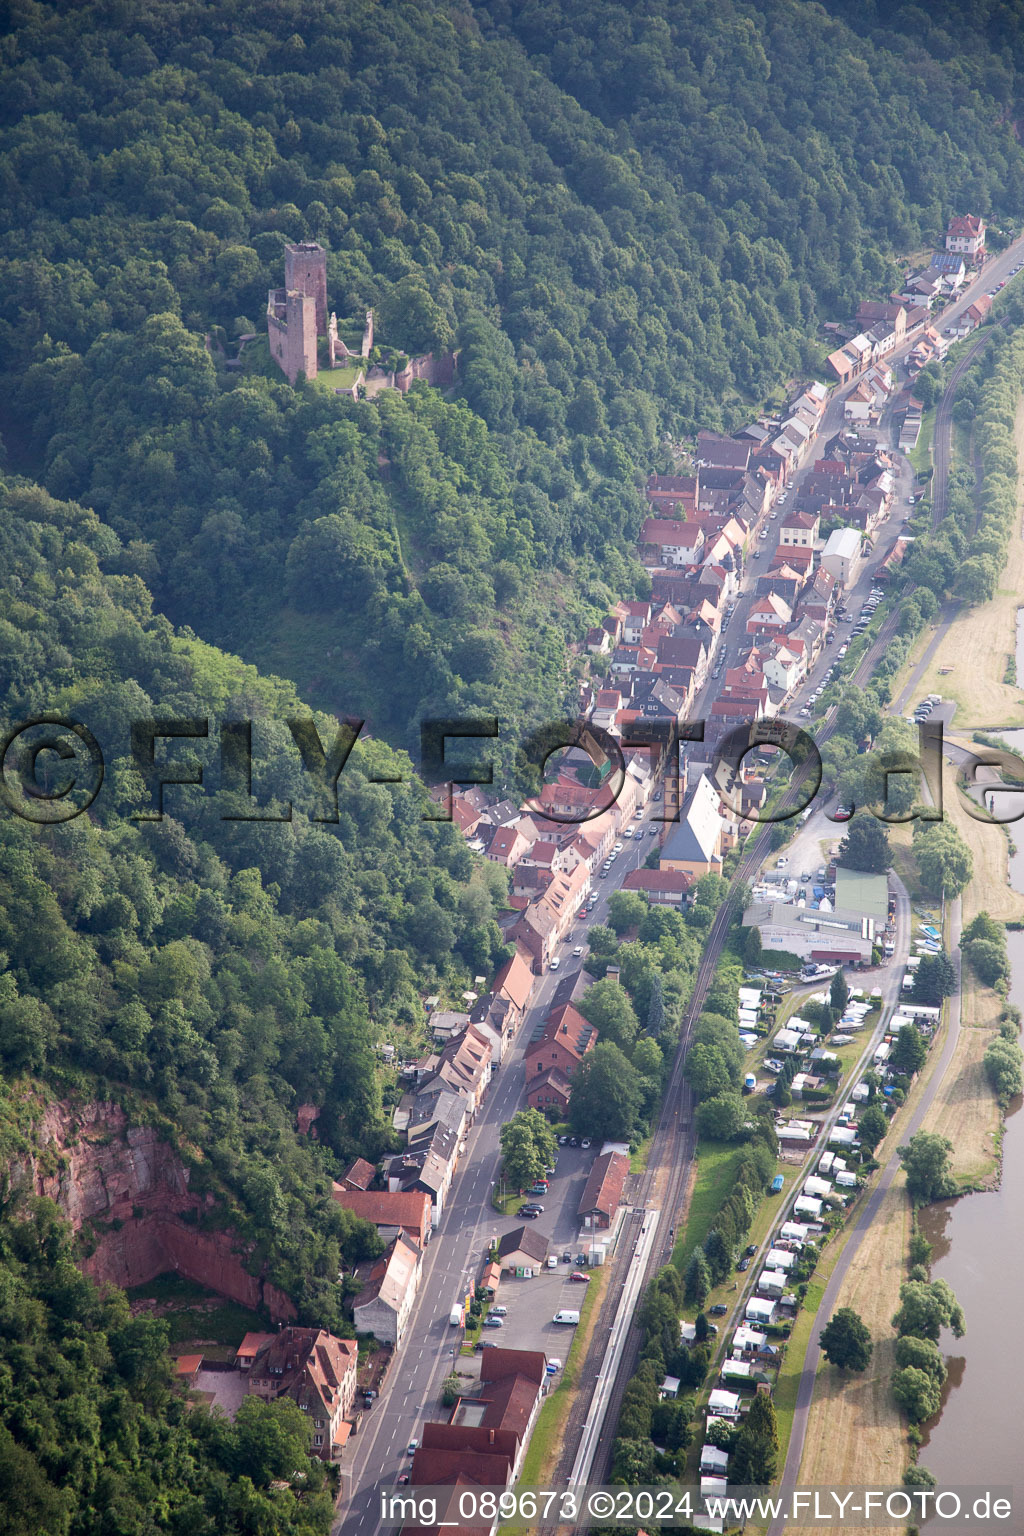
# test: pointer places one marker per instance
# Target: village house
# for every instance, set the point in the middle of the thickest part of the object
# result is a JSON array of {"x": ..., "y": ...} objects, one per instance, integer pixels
[
  {"x": 506, "y": 846},
  {"x": 392, "y": 1213},
  {"x": 965, "y": 234},
  {"x": 562, "y": 1040},
  {"x": 673, "y": 493},
  {"x": 717, "y": 452},
  {"x": 318, "y": 1372},
  {"x": 841, "y": 556},
  {"x": 359, "y": 1176},
  {"x": 662, "y": 887},
  {"x": 436, "y": 1125},
  {"x": 600, "y": 1199},
  {"x": 637, "y": 616},
  {"x": 389, "y": 1286},
  {"x": 664, "y": 542},
  {"x": 694, "y": 845},
  {"x": 799, "y": 529},
  {"x": 768, "y": 614}
]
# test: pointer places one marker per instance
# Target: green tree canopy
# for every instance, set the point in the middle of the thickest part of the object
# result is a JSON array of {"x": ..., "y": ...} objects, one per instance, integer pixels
[
  {"x": 925, "y": 1160},
  {"x": 606, "y": 1094},
  {"x": 866, "y": 845},
  {"x": 846, "y": 1341},
  {"x": 926, "y": 1307}
]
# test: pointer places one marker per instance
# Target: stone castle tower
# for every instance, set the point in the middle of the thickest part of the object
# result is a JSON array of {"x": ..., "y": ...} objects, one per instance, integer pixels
[
  {"x": 297, "y": 313},
  {"x": 305, "y": 271}
]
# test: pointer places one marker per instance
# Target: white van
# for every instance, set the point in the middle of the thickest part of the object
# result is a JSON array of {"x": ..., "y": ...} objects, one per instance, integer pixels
[
  {"x": 455, "y": 1317},
  {"x": 566, "y": 1316}
]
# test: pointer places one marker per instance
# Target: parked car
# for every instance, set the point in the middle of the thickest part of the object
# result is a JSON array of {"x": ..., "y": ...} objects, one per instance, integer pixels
[
  {"x": 567, "y": 1257},
  {"x": 498, "y": 1312},
  {"x": 750, "y": 1250},
  {"x": 554, "y": 964},
  {"x": 577, "y": 951},
  {"x": 412, "y": 1447},
  {"x": 490, "y": 1321},
  {"x": 580, "y": 1277},
  {"x": 528, "y": 1215},
  {"x": 841, "y": 813},
  {"x": 719, "y": 1309},
  {"x": 585, "y": 1142},
  {"x": 743, "y": 1265}
]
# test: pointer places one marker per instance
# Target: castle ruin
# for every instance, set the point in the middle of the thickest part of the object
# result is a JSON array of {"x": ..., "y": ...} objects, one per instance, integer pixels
[
  {"x": 297, "y": 313},
  {"x": 297, "y": 318}
]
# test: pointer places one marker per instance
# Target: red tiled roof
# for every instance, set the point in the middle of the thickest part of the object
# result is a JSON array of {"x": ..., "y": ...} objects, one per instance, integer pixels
[
  {"x": 605, "y": 1185},
  {"x": 515, "y": 979},
  {"x": 663, "y": 530},
  {"x": 661, "y": 880},
  {"x": 408, "y": 1209},
  {"x": 360, "y": 1174}
]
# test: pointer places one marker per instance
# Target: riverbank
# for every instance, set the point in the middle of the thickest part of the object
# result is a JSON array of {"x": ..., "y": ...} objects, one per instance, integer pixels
[{"x": 855, "y": 1433}]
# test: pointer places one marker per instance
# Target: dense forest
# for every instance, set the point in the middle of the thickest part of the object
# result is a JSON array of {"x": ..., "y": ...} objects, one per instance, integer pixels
[
  {"x": 225, "y": 970},
  {"x": 631, "y": 219}
]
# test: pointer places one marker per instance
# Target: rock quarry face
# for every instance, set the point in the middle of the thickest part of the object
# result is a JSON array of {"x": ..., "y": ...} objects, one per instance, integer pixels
[{"x": 133, "y": 1188}]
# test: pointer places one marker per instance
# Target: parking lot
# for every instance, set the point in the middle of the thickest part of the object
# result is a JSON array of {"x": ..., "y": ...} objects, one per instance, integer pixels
[
  {"x": 533, "y": 1303},
  {"x": 531, "y": 1306}
]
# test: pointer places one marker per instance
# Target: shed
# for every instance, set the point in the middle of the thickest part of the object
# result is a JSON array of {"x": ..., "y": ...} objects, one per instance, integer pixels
[
  {"x": 713, "y": 1460},
  {"x": 747, "y": 1338},
  {"x": 819, "y": 1188},
  {"x": 846, "y": 1180},
  {"x": 793, "y": 1232},
  {"x": 669, "y": 1387},
  {"x": 772, "y": 1282},
  {"x": 186, "y": 1369},
  {"x": 490, "y": 1280},
  {"x": 780, "y": 1258},
  {"x": 725, "y": 1404},
  {"x": 786, "y": 1040},
  {"x": 861, "y": 1093},
  {"x": 717, "y": 1487},
  {"x": 805, "y": 1206},
  {"x": 760, "y": 1309},
  {"x": 843, "y": 1136},
  {"x": 736, "y": 1370}
]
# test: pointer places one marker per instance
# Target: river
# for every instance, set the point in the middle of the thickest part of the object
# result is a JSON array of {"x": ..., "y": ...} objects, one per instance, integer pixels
[{"x": 978, "y": 1246}]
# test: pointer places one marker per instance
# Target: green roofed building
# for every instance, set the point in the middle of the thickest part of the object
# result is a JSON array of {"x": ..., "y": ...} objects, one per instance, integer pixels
[{"x": 865, "y": 894}]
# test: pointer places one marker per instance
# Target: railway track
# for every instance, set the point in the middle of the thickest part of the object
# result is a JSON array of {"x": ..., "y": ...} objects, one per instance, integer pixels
[{"x": 672, "y": 1150}]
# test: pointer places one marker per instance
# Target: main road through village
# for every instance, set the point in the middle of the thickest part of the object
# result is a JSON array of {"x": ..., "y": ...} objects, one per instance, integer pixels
[{"x": 454, "y": 1255}]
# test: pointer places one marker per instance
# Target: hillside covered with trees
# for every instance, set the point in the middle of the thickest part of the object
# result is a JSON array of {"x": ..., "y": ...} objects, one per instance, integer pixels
[{"x": 631, "y": 219}]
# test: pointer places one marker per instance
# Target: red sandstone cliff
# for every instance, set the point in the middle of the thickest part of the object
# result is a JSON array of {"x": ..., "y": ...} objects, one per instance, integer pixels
[{"x": 133, "y": 1188}]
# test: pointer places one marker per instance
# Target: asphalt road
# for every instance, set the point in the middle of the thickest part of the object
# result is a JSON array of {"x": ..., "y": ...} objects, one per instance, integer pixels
[
  {"x": 468, "y": 1222},
  {"x": 454, "y": 1254}
]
